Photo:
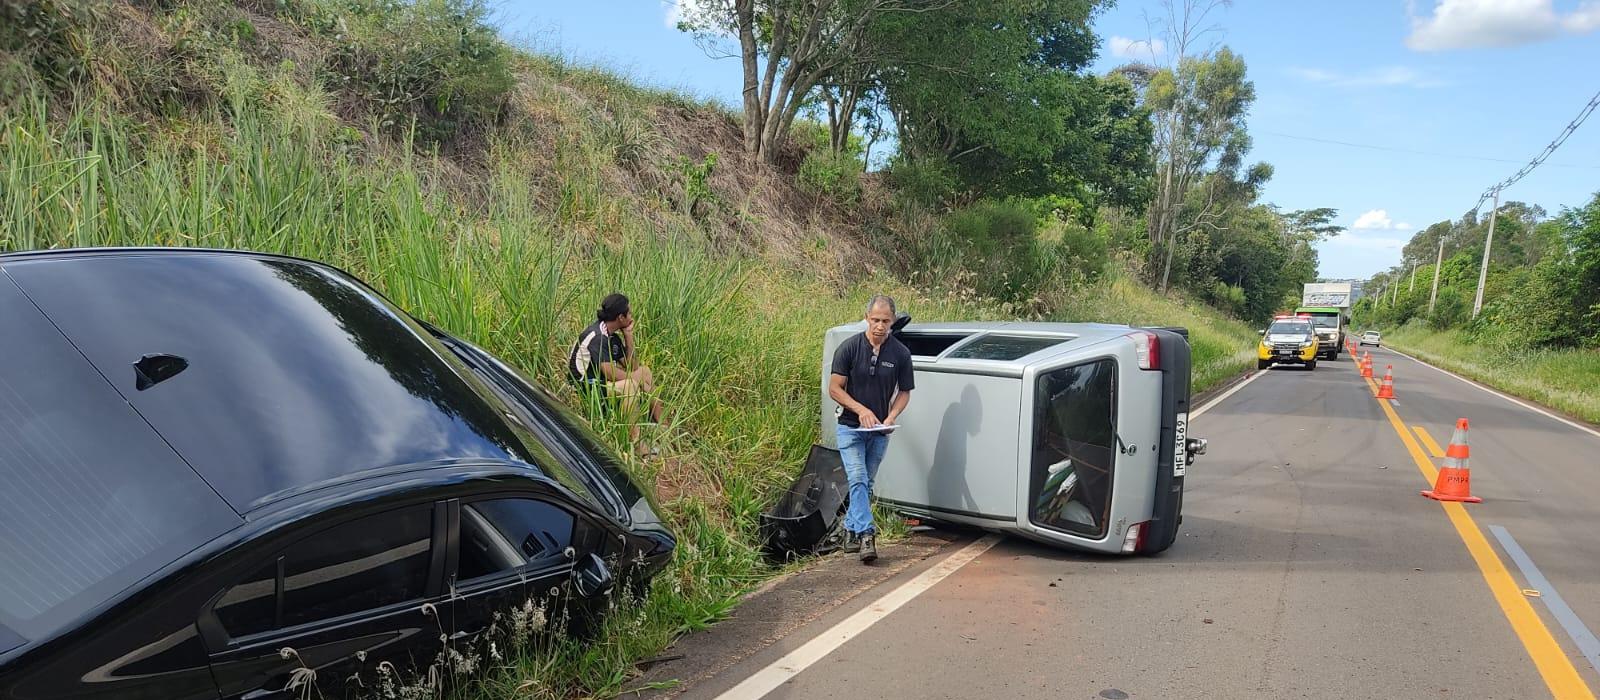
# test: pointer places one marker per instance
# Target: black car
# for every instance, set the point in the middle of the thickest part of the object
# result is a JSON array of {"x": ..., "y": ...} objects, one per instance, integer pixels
[{"x": 221, "y": 469}]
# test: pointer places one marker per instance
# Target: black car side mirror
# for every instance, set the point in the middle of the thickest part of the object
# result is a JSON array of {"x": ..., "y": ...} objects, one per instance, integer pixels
[
  {"x": 900, "y": 321},
  {"x": 1261, "y": 332},
  {"x": 592, "y": 578}
]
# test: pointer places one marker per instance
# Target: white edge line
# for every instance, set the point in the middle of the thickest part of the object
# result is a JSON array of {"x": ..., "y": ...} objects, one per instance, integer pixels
[
  {"x": 1580, "y": 634},
  {"x": 1512, "y": 399},
  {"x": 1196, "y": 413},
  {"x": 780, "y": 671}
]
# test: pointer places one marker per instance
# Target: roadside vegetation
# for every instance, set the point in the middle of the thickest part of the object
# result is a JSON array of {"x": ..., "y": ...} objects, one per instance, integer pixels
[
  {"x": 1538, "y": 334},
  {"x": 500, "y": 192},
  {"x": 1567, "y": 380}
]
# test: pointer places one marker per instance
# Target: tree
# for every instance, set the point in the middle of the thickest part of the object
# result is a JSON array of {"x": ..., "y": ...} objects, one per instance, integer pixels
[
  {"x": 1314, "y": 222},
  {"x": 788, "y": 48},
  {"x": 999, "y": 93},
  {"x": 1199, "y": 101}
]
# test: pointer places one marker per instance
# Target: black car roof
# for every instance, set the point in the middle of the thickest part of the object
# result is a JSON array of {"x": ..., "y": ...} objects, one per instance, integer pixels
[{"x": 291, "y": 373}]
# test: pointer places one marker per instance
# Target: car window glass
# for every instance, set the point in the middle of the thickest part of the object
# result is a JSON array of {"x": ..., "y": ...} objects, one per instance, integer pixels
[
  {"x": 1005, "y": 347},
  {"x": 252, "y": 605},
  {"x": 929, "y": 344},
  {"x": 366, "y": 564},
  {"x": 1074, "y": 455},
  {"x": 1289, "y": 329},
  {"x": 500, "y": 534}
]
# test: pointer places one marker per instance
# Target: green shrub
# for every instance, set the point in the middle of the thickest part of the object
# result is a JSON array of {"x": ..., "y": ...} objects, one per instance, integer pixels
[
  {"x": 50, "y": 35},
  {"x": 437, "y": 62},
  {"x": 924, "y": 182},
  {"x": 1084, "y": 253},
  {"x": 1450, "y": 309},
  {"x": 1000, "y": 250},
  {"x": 991, "y": 227},
  {"x": 1227, "y": 297},
  {"x": 835, "y": 176}
]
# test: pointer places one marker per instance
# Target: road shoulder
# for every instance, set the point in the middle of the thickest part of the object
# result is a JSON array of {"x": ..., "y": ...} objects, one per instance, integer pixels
[{"x": 782, "y": 606}]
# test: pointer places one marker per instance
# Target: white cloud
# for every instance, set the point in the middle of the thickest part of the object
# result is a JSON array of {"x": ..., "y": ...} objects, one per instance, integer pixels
[
  {"x": 1386, "y": 76},
  {"x": 1472, "y": 24},
  {"x": 1377, "y": 220},
  {"x": 1367, "y": 241},
  {"x": 1586, "y": 19},
  {"x": 1123, "y": 47}
]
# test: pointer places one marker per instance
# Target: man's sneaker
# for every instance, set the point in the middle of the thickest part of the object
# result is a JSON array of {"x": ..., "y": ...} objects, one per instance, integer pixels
[
  {"x": 852, "y": 543},
  {"x": 869, "y": 549}
]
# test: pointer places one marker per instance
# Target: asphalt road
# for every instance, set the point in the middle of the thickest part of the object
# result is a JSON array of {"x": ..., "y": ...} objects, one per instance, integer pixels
[{"x": 1307, "y": 566}]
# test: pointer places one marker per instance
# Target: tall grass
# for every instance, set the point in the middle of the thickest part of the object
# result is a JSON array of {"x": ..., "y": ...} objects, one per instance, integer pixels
[{"x": 1566, "y": 380}]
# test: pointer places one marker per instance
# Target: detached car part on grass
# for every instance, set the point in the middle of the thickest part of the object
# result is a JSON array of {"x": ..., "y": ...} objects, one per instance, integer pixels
[
  {"x": 1071, "y": 434},
  {"x": 232, "y": 475}
]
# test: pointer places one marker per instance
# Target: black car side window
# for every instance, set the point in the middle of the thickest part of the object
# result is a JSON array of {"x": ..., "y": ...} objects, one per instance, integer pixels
[
  {"x": 251, "y": 606},
  {"x": 365, "y": 564},
  {"x": 503, "y": 534}
]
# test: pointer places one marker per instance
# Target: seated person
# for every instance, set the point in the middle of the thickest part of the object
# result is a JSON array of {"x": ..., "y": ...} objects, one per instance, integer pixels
[{"x": 604, "y": 360}]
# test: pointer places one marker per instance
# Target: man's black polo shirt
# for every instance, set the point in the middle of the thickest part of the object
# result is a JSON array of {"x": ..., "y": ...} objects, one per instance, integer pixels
[{"x": 872, "y": 379}]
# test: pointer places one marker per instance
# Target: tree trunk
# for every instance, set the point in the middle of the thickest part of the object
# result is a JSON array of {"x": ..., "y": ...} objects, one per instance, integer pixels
[{"x": 752, "y": 91}]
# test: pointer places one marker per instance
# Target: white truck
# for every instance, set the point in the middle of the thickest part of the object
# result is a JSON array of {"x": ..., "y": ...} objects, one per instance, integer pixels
[{"x": 1328, "y": 305}]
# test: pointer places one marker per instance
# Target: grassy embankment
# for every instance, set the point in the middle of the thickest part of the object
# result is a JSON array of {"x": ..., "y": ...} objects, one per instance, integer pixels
[
  {"x": 1566, "y": 380},
  {"x": 510, "y": 247}
]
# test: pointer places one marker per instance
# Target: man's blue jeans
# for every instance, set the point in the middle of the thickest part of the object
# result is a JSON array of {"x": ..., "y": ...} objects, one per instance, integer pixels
[{"x": 861, "y": 453}]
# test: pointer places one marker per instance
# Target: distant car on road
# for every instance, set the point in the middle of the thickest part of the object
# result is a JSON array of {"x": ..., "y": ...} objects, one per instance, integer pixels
[
  {"x": 223, "y": 469},
  {"x": 1289, "y": 340},
  {"x": 1372, "y": 338}
]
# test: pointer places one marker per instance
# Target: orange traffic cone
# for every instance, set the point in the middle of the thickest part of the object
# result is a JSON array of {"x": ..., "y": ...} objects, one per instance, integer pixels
[
  {"x": 1455, "y": 479},
  {"x": 1386, "y": 389},
  {"x": 1366, "y": 365}
]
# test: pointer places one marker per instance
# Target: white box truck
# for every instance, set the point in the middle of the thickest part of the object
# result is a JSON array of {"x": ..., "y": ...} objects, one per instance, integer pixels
[{"x": 1328, "y": 306}]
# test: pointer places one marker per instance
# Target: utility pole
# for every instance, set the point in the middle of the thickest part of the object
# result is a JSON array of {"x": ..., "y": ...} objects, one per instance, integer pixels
[
  {"x": 1413, "y": 286},
  {"x": 1483, "y": 270},
  {"x": 1434, "y": 295},
  {"x": 1394, "y": 298}
]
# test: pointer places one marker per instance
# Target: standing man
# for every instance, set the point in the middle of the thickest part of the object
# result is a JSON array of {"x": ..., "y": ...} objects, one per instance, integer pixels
[
  {"x": 872, "y": 383},
  {"x": 604, "y": 360}
]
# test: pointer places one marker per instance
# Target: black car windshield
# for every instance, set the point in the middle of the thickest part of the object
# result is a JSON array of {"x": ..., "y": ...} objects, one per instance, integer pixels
[{"x": 1289, "y": 328}]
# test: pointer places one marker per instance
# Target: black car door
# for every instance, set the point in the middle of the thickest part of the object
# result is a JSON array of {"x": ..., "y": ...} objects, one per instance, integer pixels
[
  {"x": 349, "y": 608},
  {"x": 512, "y": 559}
]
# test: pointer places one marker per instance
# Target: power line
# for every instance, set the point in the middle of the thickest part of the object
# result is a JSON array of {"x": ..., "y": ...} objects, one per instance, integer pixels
[
  {"x": 1433, "y": 154},
  {"x": 1494, "y": 191}
]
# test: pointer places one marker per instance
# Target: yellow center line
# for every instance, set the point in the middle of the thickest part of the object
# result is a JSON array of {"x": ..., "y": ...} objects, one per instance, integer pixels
[
  {"x": 1557, "y": 670},
  {"x": 1427, "y": 441}
]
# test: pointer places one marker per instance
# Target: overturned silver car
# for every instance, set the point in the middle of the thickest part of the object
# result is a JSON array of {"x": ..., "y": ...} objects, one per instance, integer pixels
[{"x": 1072, "y": 434}]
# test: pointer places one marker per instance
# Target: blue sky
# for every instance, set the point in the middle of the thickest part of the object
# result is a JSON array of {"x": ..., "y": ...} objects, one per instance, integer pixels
[{"x": 1460, "y": 80}]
